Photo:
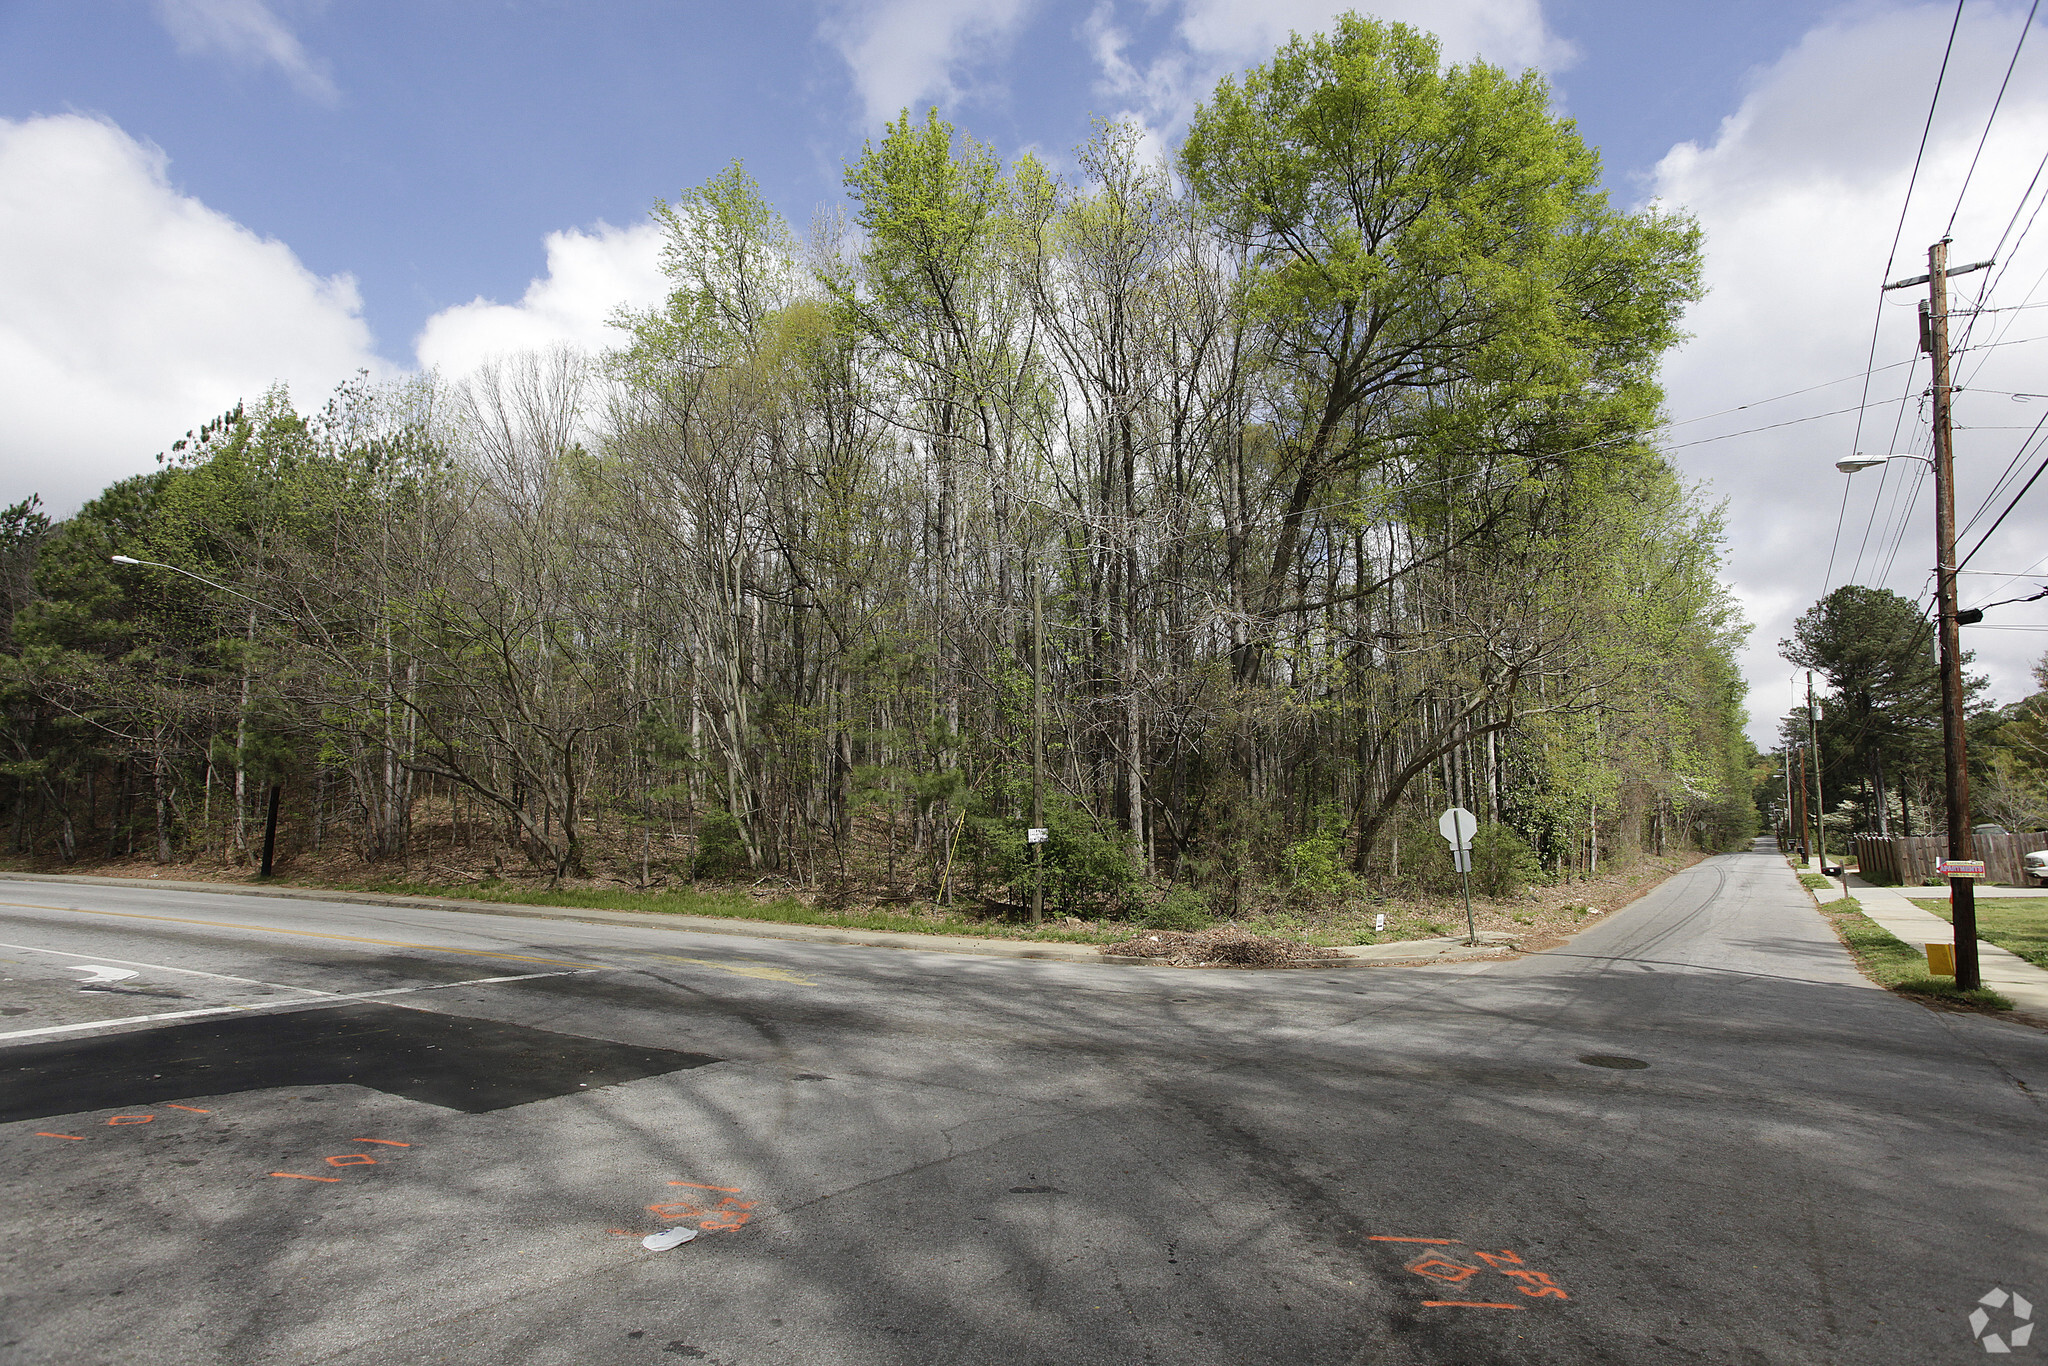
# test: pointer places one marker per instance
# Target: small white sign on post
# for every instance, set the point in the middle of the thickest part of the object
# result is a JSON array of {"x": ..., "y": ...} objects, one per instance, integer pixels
[
  {"x": 1458, "y": 826},
  {"x": 1037, "y": 834}
]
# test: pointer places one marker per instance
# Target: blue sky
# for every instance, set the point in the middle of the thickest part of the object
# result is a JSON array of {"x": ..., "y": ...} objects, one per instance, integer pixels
[
  {"x": 425, "y": 148},
  {"x": 201, "y": 197}
]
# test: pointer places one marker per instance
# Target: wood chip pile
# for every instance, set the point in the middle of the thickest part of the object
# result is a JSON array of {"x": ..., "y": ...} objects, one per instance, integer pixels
[{"x": 1226, "y": 946}]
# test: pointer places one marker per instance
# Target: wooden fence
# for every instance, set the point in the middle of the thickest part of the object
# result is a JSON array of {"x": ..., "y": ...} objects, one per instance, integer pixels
[{"x": 1908, "y": 860}]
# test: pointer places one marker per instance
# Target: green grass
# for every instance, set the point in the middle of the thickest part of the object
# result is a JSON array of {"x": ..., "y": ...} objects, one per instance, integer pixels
[
  {"x": 739, "y": 906},
  {"x": 2017, "y": 924},
  {"x": 1816, "y": 881},
  {"x": 1896, "y": 965}
]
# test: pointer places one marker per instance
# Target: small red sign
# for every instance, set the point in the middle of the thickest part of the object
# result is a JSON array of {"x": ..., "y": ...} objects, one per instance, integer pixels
[{"x": 1960, "y": 867}]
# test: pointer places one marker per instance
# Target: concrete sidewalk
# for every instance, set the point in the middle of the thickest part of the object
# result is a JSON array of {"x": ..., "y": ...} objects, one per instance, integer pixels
[{"x": 2005, "y": 973}]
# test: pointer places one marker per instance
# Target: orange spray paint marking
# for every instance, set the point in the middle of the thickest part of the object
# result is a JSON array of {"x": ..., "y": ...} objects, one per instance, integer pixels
[
  {"x": 189, "y": 1108},
  {"x": 131, "y": 1119},
  {"x": 731, "y": 1214},
  {"x": 1386, "y": 1238},
  {"x": 296, "y": 1177},
  {"x": 676, "y": 1211},
  {"x": 698, "y": 1185},
  {"x": 387, "y": 1142},
  {"x": 351, "y": 1160},
  {"x": 75, "y": 1138},
  {"x": 1539, "y": 1286},
  {"x": 1494, "y": 1259},
  {"x": 1436, "y": 1268},
  {"x": 1467, "y": 1304}
]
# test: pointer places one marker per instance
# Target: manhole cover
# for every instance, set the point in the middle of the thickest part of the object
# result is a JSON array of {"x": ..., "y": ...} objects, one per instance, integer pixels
[{"x": 1607, "y": 1060}]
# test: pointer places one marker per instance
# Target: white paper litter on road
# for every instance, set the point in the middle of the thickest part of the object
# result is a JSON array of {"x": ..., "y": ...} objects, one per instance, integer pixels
[{"x": 667, "y": 1238}]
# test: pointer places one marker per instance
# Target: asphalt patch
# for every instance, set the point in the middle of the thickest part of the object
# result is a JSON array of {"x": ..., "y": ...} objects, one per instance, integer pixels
[{"x": 453, "y": 1061}]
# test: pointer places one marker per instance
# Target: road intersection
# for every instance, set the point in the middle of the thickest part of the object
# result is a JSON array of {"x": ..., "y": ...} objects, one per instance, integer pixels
[{"x": 305, "y": 1131}]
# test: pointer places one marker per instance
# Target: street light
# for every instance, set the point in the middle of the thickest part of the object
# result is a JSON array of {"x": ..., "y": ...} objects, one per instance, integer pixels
[
  {"x": 276, "y": 788},
  {"x": 1859, "y": 461},
  {"x": 1962, "y": 890}
]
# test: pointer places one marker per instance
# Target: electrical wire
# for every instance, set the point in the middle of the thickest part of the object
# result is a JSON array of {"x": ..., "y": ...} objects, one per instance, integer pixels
[
  {"x": 2039, "y": 470},
  {"x": 2025, "y": 28},
  {"x": 1892, "y": 256}
]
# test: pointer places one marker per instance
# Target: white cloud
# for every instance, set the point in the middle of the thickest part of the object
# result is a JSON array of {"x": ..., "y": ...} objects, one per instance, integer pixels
[
  {"x": 1799, "y": 197},
  {"x": 129, "y": 312},
  {"x": 245, "y": 31},
  {"x": 904, "y": 52},
  {"x": 1214, "y": 38},
  {"x": 590, "y": 276}
]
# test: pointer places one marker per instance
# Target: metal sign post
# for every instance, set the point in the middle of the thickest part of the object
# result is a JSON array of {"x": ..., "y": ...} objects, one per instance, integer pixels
[{"x": 1457, "y": 826}]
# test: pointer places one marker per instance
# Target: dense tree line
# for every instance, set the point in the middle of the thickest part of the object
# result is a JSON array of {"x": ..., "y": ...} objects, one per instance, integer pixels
[{"x": 1312, "y": 470}]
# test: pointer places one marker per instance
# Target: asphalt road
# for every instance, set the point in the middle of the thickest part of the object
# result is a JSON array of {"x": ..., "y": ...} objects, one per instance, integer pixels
[{"x": 354, "y": 1134}]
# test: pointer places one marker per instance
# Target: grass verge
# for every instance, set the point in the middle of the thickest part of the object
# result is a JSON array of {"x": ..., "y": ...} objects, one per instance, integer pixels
[
  {"x": 2017, "y": 924},
  {"x": 1895, "y": 965},
  {"x": 731, "y": 905}
]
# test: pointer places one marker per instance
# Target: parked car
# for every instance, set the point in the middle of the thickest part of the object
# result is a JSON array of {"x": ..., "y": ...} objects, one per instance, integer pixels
[{"x": 2034, "y": 869}]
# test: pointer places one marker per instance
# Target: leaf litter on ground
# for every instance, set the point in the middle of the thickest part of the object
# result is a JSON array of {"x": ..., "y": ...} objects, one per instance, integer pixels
[{"x": 1224, "y": 946}]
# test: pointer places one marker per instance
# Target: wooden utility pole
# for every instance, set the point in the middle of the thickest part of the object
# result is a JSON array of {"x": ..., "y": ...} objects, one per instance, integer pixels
[
  {"x": 1962, "y": 891},
  {"x": 1789, "y": 807},
  {"x": 1805, "y": 849},
  {"x": 1820, "y": 805},
  {"x": 1037, "y": 750}
]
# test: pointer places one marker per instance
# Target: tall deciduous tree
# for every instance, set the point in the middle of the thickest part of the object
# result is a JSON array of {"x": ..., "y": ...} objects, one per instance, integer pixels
[{"x": 1432, "y": 250}]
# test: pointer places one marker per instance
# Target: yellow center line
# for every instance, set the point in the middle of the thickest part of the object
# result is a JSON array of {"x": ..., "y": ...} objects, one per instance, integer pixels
[
  {"x": 760, "y": 970},
  {"x": 310, "y": 934}
]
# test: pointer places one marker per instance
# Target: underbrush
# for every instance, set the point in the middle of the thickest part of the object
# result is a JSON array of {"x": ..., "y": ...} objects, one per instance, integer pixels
[{"x": 1538, "y": 915}]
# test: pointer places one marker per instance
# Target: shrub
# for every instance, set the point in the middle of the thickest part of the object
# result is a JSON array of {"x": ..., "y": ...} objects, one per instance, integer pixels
[
  {"x": 1087, "y": 869},
  {"x": 1182, "y": 908},
  {"x": 1502, "y": 861},
  {"x": 1315, "y": 866},
  {"x": 721, "y": 852}
]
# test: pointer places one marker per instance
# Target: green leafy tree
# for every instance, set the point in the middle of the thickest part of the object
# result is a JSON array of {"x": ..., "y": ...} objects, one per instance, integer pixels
[
  {"x": 1880, "y": 725},
  {"x": 1430, "y": 247}
]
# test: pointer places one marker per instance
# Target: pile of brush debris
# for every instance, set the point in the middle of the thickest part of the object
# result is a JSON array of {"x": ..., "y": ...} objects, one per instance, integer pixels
[{"x": 1224, "y": 946}]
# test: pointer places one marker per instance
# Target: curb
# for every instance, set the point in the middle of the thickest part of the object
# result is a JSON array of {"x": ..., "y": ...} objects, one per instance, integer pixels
[
  {"x": 1404, "y": 953},
  {"x": 701, "y": 924}
]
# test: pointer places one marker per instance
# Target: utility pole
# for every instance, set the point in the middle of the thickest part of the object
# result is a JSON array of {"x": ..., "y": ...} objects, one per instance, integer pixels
[
  {"x": 1962, "y": 891},
  {"x": 1805, "y": 849},
  {"x": 1037, "y": 750},
  {"x": 1789, "y": 807},
  {"x": 1820, "y": 806}
]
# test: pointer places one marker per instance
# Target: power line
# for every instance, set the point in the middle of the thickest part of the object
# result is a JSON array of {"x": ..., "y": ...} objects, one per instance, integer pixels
[
  {"x": 2025, "y": 27},
  {"x": 2038, "y": 471},
  {"x": 1892, "y": 256}
]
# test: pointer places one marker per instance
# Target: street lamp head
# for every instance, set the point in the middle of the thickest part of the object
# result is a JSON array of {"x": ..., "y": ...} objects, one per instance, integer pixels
[
  {"x": 1860, "y": 461},
  {"x": 124, "y": 559}
]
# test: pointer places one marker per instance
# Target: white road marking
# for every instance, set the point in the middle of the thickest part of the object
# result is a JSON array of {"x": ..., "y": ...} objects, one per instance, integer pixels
[
  {"x": 97, "y": 972},
  {"x": 162, "y": 967},
  {"x": 330, "y": 999}
]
